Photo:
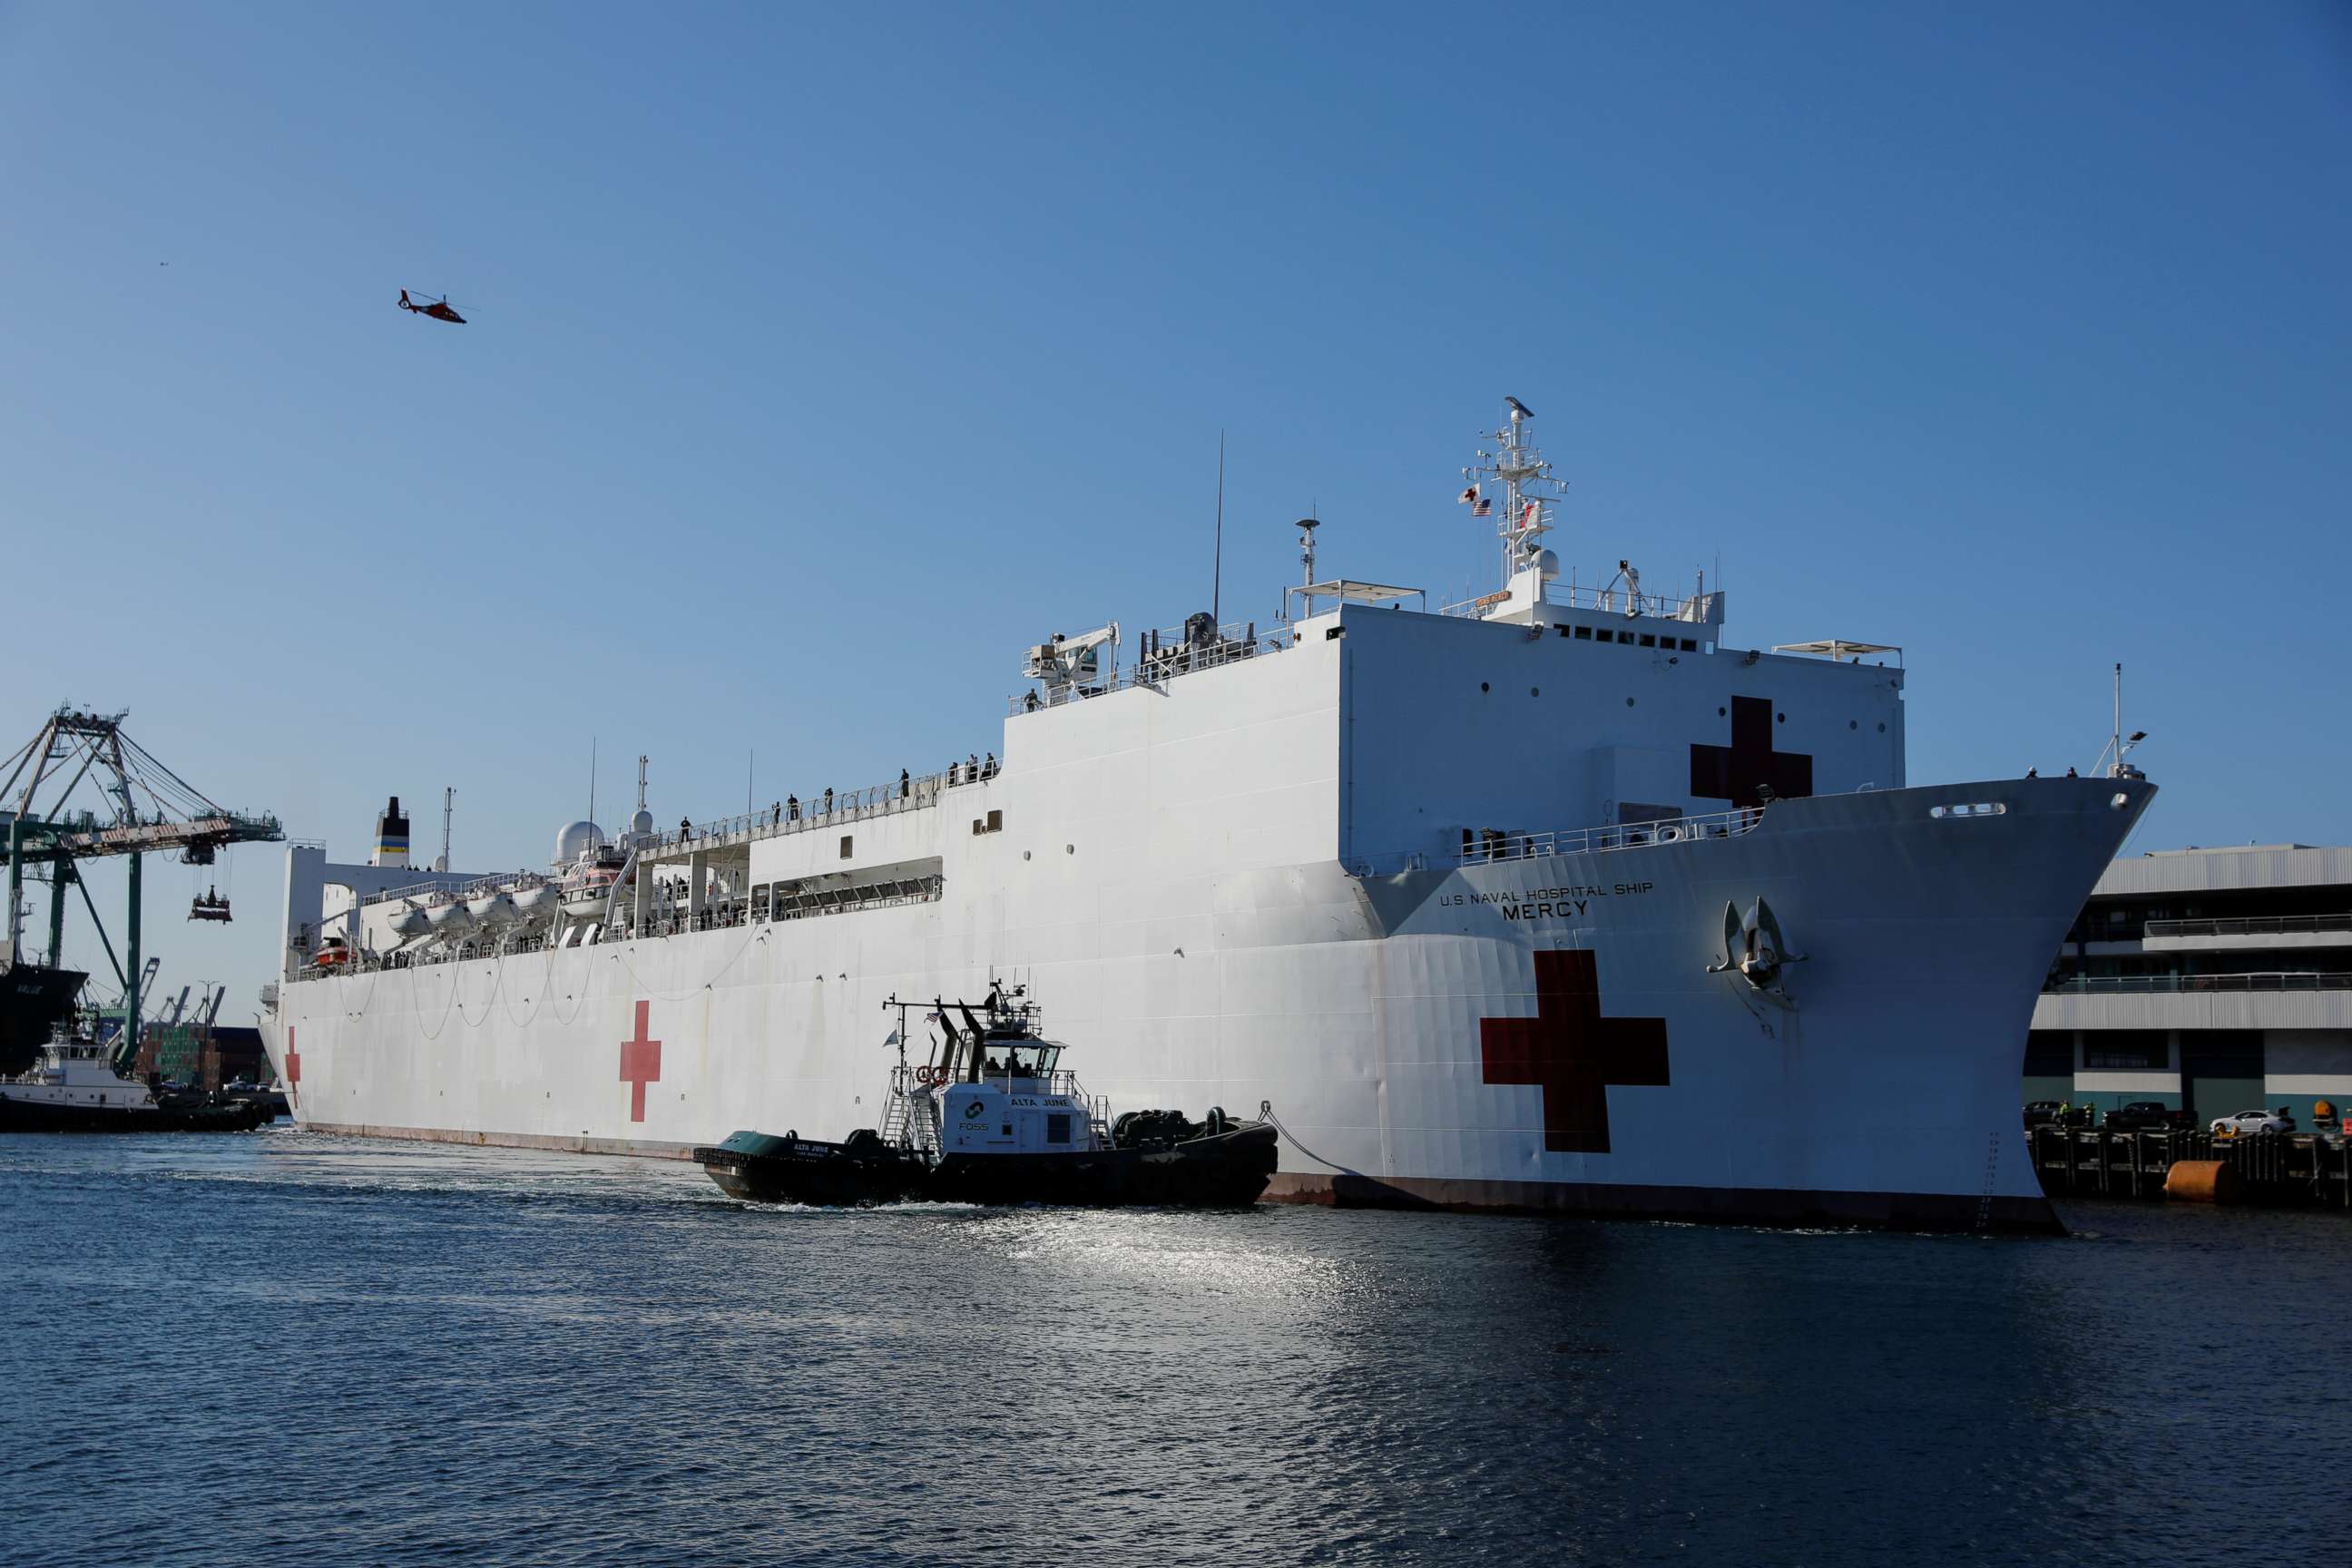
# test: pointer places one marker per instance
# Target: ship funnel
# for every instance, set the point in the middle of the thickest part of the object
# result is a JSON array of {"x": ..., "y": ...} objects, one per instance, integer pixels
[{"x": 391, "y": 838}]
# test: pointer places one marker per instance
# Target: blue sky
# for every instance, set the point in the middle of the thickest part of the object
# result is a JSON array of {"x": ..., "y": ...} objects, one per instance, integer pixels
[{"x": 823, "y": 357}]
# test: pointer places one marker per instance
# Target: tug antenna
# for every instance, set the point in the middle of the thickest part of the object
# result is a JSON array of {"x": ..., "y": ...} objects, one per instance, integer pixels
[{"x": 1217, "y": 571}]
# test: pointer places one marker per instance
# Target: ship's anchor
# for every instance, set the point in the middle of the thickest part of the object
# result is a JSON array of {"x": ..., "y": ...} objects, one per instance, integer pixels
[{"x": 1754, "y": 948}]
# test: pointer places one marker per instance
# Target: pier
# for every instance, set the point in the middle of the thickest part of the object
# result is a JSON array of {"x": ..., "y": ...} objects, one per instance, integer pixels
[{"x": 2277, "y": 1168}]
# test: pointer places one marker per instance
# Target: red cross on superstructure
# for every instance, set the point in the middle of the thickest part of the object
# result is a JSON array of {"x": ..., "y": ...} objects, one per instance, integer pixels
[
  {"x": 640, "y": 1064},
  {"x": 1737, "y": 773},
  {"x": 293, "y": 1070},
  {"x": 1573, "y": 1053}
]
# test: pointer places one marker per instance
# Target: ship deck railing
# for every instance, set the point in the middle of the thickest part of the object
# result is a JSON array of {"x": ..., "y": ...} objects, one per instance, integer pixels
[
  {"x": 1699, "y": 609},
  {"x": 1493, "y": 847},
  {"x": 782, "y": 817},
  {"x": 1165, "y": 656},
  {"x": 2160, "y": 985},
  {"x": 1484, "y": 849},
  {"x": 2251, "y": 925}
]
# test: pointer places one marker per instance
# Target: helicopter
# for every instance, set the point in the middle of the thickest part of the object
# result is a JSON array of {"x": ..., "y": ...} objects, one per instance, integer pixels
[{"x": 437, "y": 309}]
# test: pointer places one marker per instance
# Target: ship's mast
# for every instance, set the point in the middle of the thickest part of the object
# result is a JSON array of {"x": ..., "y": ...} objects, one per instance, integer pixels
[{"x": 1529, "y": 485}]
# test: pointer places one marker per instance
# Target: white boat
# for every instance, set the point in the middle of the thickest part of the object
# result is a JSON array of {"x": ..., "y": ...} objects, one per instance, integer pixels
[
  {"x": 1553, "y": 900},
  {"x": 493, "y": 911}
]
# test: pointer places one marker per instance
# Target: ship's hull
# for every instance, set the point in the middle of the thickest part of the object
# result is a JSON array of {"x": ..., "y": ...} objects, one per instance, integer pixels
[
  {"x": 34, "y": 999},
  {"x": 1533, "y": 1034},
  {"x": 18, "y": 1114}
]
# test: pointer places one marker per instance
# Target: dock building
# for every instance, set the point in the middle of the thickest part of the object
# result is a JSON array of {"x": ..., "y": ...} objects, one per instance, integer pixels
[{"x": 2213, "y": 980}]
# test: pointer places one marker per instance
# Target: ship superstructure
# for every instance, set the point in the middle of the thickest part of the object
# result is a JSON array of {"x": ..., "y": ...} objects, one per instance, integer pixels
[{"x": 1550, "y": 900}]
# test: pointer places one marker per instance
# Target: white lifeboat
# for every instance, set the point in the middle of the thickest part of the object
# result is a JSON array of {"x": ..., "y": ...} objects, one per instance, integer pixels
[
  {"x": 491, "y": 911},
  {"x": 407, "y": 919},
  {"x": 449, "y": 919},
  {"x": 588, "y": 894},
  {"x": 536, "y": 901}
]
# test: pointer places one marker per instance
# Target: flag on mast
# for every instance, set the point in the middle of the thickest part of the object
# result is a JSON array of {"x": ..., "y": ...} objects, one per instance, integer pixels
[
  {"x": 1466, "y": 497},
  {"x": 1527, "y": 513},
  {"x": 1482, "y": 508}
]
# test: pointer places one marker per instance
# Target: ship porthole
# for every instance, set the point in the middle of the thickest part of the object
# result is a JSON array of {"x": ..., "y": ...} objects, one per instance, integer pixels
[
  {"x": 1853, "y": 724},
  {"x": 1484, "y": 687},
  {"x": 1721, "y": 712},
  {"x": 1629, "y": 702},
  {"x": 1025, "y": 854},
  {"x": 1535, "y": 691}
]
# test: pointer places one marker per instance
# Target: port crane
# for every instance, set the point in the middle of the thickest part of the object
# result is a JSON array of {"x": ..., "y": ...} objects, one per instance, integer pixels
[{"x": 146, "y": 809}]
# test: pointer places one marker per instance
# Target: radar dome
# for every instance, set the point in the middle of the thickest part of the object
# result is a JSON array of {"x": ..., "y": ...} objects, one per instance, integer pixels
[
  {"x": 642, "y": 822},
  {"x": 574, "y": 840}
]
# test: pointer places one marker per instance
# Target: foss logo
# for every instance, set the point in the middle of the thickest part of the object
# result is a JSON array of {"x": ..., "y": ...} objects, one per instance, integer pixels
[{"x": 971, "y": 1113}]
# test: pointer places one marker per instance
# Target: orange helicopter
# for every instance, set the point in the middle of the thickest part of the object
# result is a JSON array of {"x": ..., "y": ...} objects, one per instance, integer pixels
[{"x": 437, "y": 309}]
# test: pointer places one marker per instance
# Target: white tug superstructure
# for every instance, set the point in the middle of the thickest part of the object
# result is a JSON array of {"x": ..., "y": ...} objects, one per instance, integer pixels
[{"x": 1547, "y": 901}]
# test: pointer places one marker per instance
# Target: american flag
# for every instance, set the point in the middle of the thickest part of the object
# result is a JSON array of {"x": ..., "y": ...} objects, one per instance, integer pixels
[{"x": 1483, "y": 508}]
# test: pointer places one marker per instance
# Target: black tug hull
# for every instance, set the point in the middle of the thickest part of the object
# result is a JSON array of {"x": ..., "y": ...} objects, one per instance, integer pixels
[
  {"x": 1226, "y": 1170},
  {"x": 35, "y": 1116},
  {"x": 34, "y": 999}
]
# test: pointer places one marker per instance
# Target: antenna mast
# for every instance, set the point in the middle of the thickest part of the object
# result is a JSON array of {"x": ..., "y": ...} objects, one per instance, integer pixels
[
  {"x": 1529, "y": 486},
  {"x": 1217, "y": 575},
  {"x": 448, "y": 808},
  {"x": 2119, "y": 717}
]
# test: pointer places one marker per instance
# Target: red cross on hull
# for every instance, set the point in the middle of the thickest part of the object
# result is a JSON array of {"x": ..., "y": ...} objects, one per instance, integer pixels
[
  {"x": 1742, "y": 772},
  {"x": 293, "y": 1070},
  {"x": 1573, "y": 1053},
  {"x": 640, "y": 1064}
]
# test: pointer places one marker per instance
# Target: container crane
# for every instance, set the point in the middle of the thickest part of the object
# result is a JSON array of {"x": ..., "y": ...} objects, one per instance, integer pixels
[{"x": 147, "y": 808}]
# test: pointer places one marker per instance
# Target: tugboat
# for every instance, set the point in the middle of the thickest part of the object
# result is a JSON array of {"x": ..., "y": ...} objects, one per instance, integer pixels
[
  {"x": 75, "y": 1089},
  {"x": 996, "y": 1119}
]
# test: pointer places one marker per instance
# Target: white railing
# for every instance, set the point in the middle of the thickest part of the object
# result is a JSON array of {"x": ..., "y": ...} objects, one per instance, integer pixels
[
  {"x": 1701, "y": 609},
  {"x": 1484, "y": 849},
  {"x": 790, "y": 815},
  {"x": 2251, "y": 925},
  {"x": 1164, "y": 656}
]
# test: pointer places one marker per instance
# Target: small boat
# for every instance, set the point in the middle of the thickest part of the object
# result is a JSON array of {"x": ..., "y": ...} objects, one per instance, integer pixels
[
  {"x": 75, "y": 1089},
  {"x": 534, "y": 900},
  {"x": 492, "y": 911},
  {"x": 997, "y": 1119},
  {"x": 333, "y": 953}
]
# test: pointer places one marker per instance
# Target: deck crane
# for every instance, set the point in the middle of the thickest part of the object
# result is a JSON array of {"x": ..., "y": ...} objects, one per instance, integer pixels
[
  {"x": 147, "y": 808},
  {"x": 1068, "y": 665}
]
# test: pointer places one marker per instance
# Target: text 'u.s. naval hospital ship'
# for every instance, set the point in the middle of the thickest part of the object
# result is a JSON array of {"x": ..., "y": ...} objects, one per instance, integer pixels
[{"x": 1547, "y": 901}]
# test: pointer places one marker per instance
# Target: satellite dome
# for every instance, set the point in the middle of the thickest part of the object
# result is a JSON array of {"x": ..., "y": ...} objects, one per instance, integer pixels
[
  {"x": 574, "y": 840},
  {"x": 642, "y": 822}
]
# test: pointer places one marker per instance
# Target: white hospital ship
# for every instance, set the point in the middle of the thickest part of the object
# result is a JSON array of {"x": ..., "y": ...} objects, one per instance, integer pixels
[{"x": 1550, "y": 901}]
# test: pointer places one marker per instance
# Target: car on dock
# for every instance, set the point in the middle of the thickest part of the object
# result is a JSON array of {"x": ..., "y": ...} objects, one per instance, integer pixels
[
  {"x": 2246, "y": 1123},
  {"x": 2145, "y": 1116},
  {"x": 2056, "y": 1113}
]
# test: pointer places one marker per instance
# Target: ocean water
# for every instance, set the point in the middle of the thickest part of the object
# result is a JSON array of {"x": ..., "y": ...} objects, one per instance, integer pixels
[{"x": 281, "y": 1348}]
